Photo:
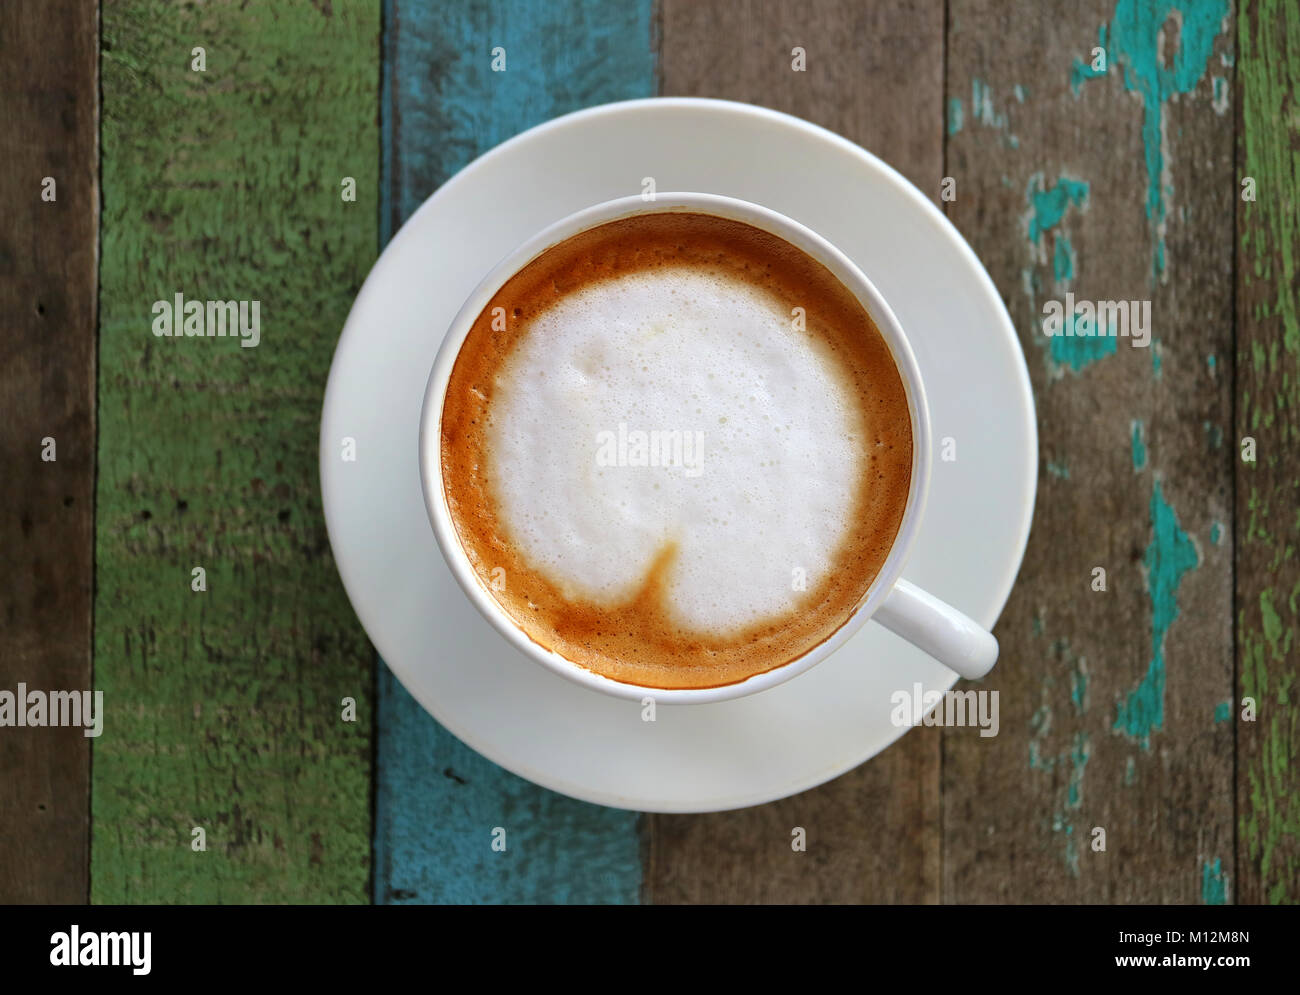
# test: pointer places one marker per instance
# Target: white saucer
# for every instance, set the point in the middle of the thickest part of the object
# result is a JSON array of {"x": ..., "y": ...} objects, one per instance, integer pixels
[{"x": 536, "y": 724}]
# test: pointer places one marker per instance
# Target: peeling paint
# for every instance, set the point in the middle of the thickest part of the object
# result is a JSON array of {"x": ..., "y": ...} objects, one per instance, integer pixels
[
  {"x": 1220, "y": 102},
  {"x": 1070, "y": 764},
  {"x": 954, "y": 115},
  {"x": 981, "y": 110},
  {"x": 1047, "y": 209},
  {"x": 1137, "y": 43},
  {"x": 1079, "y": 351},
  {"x": 1063, "y": 821},
  {"x": 1214, "y": 883},
  {"x": 1062, "y": 258},
  {"x": 1082, "y": 70},
  {"x": 1170, "y": 555},
  {"x": 981, "y": 106},
  {"x": 1079, "y": 685},
  {"x": 1078, "y": 761},
  {"x": 1213, "y": 435},
  {"x": 1139, "y": 446},
  {"x": 1049, "y": 204}
]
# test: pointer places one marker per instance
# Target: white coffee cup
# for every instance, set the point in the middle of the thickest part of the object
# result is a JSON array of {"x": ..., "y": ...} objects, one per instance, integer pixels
[{"x": 950, "y": 637}]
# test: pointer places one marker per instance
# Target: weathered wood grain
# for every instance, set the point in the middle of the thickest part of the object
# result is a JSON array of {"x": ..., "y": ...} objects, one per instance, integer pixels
[
  {"x": 1119, "y": 709},
  {"x": 874, "y": 74},
  {"x": 1112, "y": 184},
  {"x": 437, "y": 801},
  {"x": 48, "y": 128},
  {"x": 1268, "y": 489},
  {"x": 225, "y": 706}
]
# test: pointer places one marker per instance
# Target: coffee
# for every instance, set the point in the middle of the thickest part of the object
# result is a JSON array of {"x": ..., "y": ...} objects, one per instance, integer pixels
[{"x": 676, "y": 450}]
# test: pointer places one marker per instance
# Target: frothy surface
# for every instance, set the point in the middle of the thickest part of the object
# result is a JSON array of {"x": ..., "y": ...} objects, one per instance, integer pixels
[
  {"x": 754, "y": 420},
  {"x": 657, "y": 470}
]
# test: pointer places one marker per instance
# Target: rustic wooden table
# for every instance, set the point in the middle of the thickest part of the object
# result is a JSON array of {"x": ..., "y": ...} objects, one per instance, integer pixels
[{"x": 1171, "y": 174}]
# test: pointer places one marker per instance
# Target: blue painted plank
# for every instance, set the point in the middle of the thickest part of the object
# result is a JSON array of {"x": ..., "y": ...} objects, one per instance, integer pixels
[
  {"x": 436, "y": 800},
  {"x": 444, "y": 106}
]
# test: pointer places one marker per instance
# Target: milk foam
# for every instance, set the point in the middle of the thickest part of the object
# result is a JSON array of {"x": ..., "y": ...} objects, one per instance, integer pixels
[{"x": 676, "y": 350}]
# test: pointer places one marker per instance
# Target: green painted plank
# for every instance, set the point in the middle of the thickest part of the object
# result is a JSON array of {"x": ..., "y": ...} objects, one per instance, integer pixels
[
  {"x": 1268, "y": 489},
  {"x": 437, "y": 801},
  {"x": 224, "y": 706}
]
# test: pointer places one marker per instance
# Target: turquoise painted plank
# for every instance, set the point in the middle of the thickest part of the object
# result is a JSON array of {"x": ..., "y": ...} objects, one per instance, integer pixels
[
  {"x": 437, "y": 801},
  {"x": 1170, "y": 555}
]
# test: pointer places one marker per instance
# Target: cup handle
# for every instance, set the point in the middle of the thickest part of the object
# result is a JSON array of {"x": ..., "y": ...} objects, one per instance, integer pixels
[{"x": 955, "y": 640}]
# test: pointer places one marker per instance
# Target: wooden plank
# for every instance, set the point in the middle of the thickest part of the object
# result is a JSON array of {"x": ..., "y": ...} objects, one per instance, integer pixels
[
  {"x": 226, "y": 705},
  {"x": 1112, "y": 184},
  {"x": 49, "y": 67},
  {"x": 436, "y": 800},
  {"x": 873, "y": 832},
  {"x": 1268, "y": 411}
]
